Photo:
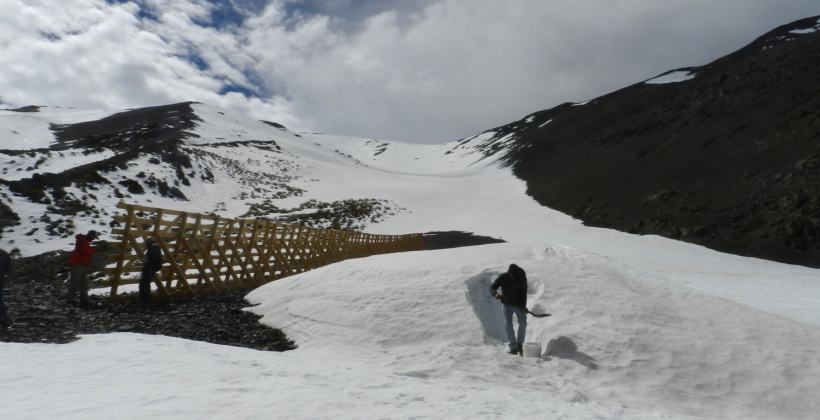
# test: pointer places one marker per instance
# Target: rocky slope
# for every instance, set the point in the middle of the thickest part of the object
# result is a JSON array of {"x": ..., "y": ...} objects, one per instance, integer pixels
[
  {"x": 727, "y": 156},
  {"x": 36, "y": 289}
]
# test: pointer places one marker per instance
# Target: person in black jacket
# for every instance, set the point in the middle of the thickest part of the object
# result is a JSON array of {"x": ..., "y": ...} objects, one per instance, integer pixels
[
  {"x": 5, "y": 266},
  {"x": 513, "y": 296},
  {"x": 151, "y": 263}
]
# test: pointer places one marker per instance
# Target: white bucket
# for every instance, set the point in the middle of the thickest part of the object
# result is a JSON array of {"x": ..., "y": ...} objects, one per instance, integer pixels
[{"x": 532, "y": 349}]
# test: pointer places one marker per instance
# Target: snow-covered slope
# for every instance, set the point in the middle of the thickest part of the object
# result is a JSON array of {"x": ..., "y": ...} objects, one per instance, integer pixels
[
  {"x": 643, "y": 327},
  {"x": 417, "y": 335},
  {"x": 30, "y": 129},
  {"x": 228, "y": 164},
  {"x": 272, "y": 172}
]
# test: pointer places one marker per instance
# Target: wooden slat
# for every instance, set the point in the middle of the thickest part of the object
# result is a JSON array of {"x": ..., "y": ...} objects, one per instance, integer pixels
[{"x": 225, "y": 254}]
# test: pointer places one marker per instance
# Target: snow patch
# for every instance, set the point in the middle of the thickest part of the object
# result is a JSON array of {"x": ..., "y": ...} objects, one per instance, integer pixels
[
  {"x": 803, "y": 31},
  {"x": 807, "y": 30},
  {"x": 31, "y": 130},
  {"x": 674, "y": 77}
]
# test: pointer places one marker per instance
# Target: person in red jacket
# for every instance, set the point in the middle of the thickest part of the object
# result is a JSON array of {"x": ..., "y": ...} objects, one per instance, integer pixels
[{"x": 79, "y": 262}]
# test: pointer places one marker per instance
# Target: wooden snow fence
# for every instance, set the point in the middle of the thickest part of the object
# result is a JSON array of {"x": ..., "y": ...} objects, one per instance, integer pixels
[{"x": 206, "y": 254}]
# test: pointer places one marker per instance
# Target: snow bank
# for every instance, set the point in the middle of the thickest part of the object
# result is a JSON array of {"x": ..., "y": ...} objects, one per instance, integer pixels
[
  {"x": 619, "y": 334},
  {"x": 416, "y": 335}
]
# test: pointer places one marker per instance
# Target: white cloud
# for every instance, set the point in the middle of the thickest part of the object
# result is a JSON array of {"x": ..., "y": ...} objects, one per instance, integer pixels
[{"x": 451, "y": 69}]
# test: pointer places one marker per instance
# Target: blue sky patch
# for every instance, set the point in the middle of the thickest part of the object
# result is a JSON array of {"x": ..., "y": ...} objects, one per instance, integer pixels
[
  {"x": 238, "y": 89},
  {"x": 146, "y": 12},
  {"x": 196, "y": 60}
]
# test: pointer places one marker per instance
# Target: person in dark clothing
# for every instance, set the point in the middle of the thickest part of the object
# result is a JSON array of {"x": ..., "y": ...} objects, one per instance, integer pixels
[
  {"x": 79, "y": 262},
  {"x": 513, "y": 296},
  {"x": 151, "y": 263},
  {"x": 5, "y": 266}
]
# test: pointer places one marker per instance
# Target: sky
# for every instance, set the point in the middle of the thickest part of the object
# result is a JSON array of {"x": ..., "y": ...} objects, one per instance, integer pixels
[{"x": 427, "y": 71}]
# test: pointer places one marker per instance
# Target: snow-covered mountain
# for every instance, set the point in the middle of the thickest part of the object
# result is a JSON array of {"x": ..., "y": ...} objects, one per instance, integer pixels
[
  {"x": 724, "y": 155},
  {"x": 64, "y": 170},
  {"x": 643, "y": 326}
]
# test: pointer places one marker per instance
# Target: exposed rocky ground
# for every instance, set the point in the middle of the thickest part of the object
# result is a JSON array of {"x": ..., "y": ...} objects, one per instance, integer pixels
[
  {"x": 350, "y": 214},
  {"x": 36, "y": 289},
  {"x": 455, "y": 239},
  {"x": 729, "y": 159},
  {"x": 35, "y": 295}
]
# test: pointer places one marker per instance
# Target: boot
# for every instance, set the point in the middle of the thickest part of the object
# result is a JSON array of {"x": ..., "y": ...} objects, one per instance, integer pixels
[{"x": 513, "y": 351}]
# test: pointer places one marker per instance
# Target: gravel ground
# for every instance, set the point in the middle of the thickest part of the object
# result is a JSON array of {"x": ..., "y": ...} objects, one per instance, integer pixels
[
  {"x": 36, "y": 297},
  {"x": 36, "y": 289}
]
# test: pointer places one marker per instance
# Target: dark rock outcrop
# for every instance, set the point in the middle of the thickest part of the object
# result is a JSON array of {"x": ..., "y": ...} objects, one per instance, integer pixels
[
  {"x": 728, "y": 159},
  {"x": 455, "y": 239}
]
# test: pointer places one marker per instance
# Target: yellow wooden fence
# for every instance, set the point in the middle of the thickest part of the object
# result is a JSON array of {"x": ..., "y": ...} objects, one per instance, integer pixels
[{"x": 208, "y": 254}]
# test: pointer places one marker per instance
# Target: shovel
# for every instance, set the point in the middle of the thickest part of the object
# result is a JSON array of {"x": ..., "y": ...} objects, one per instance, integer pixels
[{"x": 537, "y": 315}]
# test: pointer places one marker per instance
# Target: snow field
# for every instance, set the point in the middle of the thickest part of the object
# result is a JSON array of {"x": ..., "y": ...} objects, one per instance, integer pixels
[
  {"x": 30, "y": 130},
  {"x": 140, "y": 377},
  {"x": 624, "y": 337},
  {"x": 416, "y": 335},
  {"x": 643, "y": 327}
]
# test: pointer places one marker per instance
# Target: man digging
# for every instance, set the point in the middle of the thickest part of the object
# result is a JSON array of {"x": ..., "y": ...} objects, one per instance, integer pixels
[{"x": 513, "y": 296}]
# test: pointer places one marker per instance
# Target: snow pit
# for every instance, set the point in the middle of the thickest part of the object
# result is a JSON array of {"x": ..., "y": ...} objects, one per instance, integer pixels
[{"x": 486, "y": 309}]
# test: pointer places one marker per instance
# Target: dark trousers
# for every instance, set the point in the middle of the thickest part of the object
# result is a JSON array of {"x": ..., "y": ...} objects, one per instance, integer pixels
[
  {"x": 4, "y": 316},
  {"x": 145, "y": 284},
  {"x": 78, "y": 283}
]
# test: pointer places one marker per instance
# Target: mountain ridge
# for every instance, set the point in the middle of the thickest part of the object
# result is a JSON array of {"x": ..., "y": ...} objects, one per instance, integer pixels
[
  {"x": 727, "y": 159},
  {"x": 723, "y": 155}
]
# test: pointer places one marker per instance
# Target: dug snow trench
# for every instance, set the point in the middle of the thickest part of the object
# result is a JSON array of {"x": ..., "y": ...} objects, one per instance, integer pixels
[{"x": 619, "y": 336}]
